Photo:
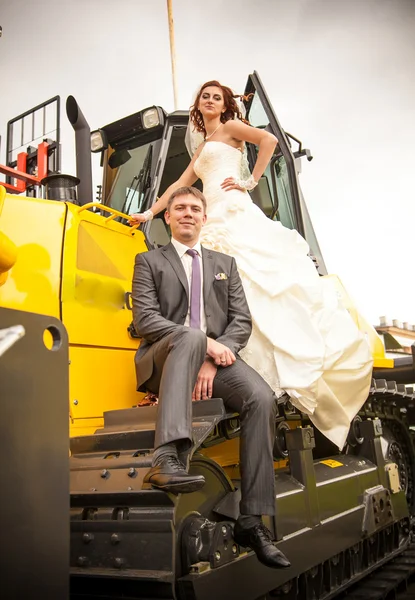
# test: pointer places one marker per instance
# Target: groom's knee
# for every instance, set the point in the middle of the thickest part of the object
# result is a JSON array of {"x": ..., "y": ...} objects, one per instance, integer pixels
[
  {"x": 192, "y": 339},
  {"x": 263, "y": 400}
]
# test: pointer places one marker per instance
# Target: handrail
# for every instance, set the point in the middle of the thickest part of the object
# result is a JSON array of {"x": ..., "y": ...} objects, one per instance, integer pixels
[{"x": 114, "y": 213}]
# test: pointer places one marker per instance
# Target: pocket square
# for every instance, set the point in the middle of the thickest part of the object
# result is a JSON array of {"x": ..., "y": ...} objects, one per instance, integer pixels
[{"x": 221, "y": 276}]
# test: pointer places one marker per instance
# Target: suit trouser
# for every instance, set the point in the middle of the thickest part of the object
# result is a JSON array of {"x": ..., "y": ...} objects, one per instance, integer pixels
[{"x": 177, "y": 359}]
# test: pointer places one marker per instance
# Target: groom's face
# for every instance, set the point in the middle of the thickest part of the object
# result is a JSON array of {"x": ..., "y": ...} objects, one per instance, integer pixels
[{"x": 186, "y": 218}]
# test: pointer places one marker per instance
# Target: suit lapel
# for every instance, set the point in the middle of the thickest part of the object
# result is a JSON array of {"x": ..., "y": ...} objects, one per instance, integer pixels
[
  {"x": 208, "y": 273},
  {"x": 170, "y": 253}
]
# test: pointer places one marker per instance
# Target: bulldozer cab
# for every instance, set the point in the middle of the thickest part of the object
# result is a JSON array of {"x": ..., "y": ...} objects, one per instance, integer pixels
[{"x": 146, "y": 153}]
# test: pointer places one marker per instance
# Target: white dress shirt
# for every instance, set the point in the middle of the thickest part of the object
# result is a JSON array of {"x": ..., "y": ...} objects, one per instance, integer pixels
[{"x": 187, "y": 261}]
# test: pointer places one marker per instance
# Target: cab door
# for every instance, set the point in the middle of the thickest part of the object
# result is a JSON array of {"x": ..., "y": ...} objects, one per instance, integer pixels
[{"x": 278, "y": 193}]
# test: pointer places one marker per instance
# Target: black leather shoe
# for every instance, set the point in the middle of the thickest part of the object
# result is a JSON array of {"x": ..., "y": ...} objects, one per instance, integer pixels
[
  {"x": 260, "y": 540},
  {"x": 171, "y": 476}
]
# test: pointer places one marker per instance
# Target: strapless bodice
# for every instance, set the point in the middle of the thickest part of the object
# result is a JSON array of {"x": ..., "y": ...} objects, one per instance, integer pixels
[{"x": 218, "y": 160}]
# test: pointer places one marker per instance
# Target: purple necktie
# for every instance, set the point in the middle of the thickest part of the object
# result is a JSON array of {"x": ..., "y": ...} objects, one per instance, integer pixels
[{"x": 195, "y": 290}]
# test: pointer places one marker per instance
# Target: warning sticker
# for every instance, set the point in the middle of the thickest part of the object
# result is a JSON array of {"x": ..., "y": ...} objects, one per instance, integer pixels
[{"x": 331, "y": 463}]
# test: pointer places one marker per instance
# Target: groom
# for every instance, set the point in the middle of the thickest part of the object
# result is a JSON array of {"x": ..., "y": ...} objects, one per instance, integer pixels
[{"x": 190, "y": 309}]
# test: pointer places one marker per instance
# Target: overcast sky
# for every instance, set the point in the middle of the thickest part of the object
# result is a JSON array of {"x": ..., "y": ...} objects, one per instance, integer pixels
[{"x": 339, "y": 73}]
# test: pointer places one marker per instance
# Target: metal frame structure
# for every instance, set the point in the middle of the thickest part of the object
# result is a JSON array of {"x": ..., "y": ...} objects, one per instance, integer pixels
[
  {"x": 32, "y": 165},
  {"x": 255, "y": 85}
]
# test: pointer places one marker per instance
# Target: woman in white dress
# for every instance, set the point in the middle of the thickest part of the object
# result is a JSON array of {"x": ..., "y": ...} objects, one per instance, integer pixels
[{"x": 304, "y": 342}]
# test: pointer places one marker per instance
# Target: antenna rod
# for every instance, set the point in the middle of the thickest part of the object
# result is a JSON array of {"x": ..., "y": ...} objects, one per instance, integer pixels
[{"x": 172, "y": 50}]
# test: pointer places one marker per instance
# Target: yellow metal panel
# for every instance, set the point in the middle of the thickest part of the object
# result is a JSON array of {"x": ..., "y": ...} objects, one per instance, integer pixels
[
  {"x": 98, "y": 267},
  {"x": 384, "y": 363},
  {"x": 100, "y": 379},
  {"x": 35, "y": 227},
  {"x": 227, "y": 456},
  {"x": 85, "y": 426}
]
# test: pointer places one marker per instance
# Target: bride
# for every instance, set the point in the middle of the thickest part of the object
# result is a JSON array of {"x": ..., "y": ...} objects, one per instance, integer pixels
[{"x": 303, "y": 341}]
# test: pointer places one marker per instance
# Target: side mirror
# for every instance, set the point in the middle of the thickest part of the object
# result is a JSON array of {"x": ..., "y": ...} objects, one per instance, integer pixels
[{"x": 118, "y": 158}]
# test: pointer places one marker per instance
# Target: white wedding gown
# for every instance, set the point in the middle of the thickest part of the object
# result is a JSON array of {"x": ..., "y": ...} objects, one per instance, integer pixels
[{"x": 303, "y": 341}]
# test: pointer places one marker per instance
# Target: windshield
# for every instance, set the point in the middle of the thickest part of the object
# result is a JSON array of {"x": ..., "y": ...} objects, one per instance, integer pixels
[{"x": 132, "y": 181}]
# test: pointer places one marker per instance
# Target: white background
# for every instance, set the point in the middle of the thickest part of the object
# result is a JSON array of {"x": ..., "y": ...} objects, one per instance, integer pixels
[{"x": 340, "y": 74}]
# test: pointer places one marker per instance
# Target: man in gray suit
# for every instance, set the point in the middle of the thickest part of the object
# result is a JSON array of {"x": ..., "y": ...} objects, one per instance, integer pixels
[{"x": 190, "y": 309}]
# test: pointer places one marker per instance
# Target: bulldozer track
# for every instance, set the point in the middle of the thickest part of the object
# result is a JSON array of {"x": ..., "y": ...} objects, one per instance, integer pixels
[
  {"x": 394, "y": 405},
  {"x": 396, "y": 580}
]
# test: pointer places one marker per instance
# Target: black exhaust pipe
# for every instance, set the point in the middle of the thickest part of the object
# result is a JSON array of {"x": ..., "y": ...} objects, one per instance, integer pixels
[{"x": 83, "y": 150}]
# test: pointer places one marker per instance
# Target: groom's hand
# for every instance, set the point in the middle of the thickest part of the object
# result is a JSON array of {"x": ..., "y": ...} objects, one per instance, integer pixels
[
  {"x": 204, "y": 384},
  {"x": 219, "y": 353}
]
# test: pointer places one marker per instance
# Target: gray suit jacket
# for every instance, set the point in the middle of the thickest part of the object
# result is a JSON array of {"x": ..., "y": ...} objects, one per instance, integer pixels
[{"x": 160, "y": 298}]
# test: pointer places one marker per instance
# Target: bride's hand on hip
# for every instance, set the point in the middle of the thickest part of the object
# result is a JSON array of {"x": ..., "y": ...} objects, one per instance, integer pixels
[{"x": 230, "y": 183}]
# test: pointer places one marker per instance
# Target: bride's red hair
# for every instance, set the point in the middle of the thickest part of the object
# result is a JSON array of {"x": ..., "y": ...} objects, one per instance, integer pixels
[{"x": 231, "y": 107}]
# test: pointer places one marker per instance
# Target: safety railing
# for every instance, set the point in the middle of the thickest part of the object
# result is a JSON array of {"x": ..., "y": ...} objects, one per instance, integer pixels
[{"x": 113, "y": 212}]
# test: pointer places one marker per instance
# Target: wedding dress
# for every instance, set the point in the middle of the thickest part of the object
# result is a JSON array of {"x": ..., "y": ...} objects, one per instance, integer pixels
[{"x": 303, "y": 340}]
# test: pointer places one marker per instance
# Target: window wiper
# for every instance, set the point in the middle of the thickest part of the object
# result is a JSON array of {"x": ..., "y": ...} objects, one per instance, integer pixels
[{"x": 132, "y": 188}]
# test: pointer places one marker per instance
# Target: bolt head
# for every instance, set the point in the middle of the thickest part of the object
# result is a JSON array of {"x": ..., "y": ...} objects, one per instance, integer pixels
[
  {"x": 132, "y": 472},
  {"x": 115, "y": 539},
  {"x": 217, "y": 555},
  {"x": 234, "y": 549},
  {"x": 75, "y": 402},
  {"x": 118, "y": 562},
  {"x": 87, "y": 538},
  {"x": 105, "y": 473},
  {"x": 224, "y": 530}
]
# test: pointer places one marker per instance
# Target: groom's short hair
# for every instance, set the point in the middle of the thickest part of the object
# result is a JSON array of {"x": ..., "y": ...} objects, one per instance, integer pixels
[{"x": 187, "y": 191}]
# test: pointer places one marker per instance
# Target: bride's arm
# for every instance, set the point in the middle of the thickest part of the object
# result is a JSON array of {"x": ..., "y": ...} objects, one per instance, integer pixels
[
  {"x": 187, "y": 178},
  {"x": 265, "y": 141}
]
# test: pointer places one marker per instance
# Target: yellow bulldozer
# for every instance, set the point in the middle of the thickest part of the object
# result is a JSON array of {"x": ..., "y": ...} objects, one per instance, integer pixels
[{"x": 66, "y": 266}]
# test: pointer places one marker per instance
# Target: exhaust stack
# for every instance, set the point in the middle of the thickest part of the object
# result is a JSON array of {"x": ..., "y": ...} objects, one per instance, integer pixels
[
  {"x": 61, "y": 187},
  {"x": 83, "y": 150}
]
